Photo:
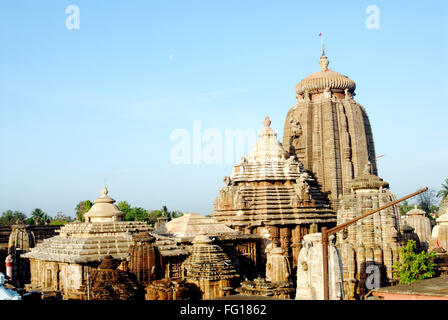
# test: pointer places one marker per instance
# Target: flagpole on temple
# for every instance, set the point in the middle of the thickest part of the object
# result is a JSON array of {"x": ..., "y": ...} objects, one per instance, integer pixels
[{"x": 322, "y": 43}]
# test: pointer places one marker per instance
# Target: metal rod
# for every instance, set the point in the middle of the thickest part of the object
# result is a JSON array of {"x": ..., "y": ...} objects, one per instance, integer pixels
[{"x": 326, "y": 233}]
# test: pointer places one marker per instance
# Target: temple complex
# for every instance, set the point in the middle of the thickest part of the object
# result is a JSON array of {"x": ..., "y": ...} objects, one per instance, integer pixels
[
  {"x": 271, "y": 195},
  {"x": 329, "y": 131},
  {"x": 373, "y": 242},
  {"x": 263, "y": 238}
]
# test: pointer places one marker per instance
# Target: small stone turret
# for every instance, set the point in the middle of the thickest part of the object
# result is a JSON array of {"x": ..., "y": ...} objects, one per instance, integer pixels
[
  {"x": 209, "y": 268},
  {"x": 21, "y": 240},
  {"x": 144, "y": 258},
  {"x": 417, "y": 219},
  {"x": 109, "y": 283}
]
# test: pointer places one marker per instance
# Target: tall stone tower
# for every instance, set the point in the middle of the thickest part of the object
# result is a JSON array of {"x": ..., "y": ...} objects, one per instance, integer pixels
[{"x": 329, "y": 131}]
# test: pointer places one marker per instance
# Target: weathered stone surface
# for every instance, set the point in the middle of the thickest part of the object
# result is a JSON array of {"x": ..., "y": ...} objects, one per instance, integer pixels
[
  {"x": 310, "y": 284},
  {"x": 277, "y": 266},
  {"x": 172, "y": 290},
  {"x": 209, "y": 268},
  {"x": 440, "y": 232},
  {"x": 262, "y": 287},
  {"x": 21, "y": 240},
  {"x": 190, "y": 224},
  {"x": 417, "y": 219},
  {"x": 108, "y": 283},
  {"x": 371, "y": 244},
  {"x": 145, "y": 259},
  {"x": 329, "y": 131}
]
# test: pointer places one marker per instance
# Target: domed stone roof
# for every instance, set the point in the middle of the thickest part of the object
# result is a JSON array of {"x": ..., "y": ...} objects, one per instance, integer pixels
[
  {"x": 325, "y": 78},
  {"x": 104, "y": 209},
  {"x": 416, "y": 211}
]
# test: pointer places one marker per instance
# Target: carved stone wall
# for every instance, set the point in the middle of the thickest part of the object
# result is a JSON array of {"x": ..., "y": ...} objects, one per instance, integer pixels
[
  {"x": 172, "y": 290},
  {"x": 369, "y": 247}
]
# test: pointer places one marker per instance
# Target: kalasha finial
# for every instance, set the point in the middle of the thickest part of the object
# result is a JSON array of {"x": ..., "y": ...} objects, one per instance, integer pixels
[
  {"x": 323, "y": 62},
  {"x": 104, "y": 191},
  {"x": 267, "y": 121}
]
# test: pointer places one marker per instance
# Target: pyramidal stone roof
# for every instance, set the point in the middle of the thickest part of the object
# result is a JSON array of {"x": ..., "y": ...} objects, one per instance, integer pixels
[
  {"x": 268, "y": 187},
  {"x": 104, "y": 234},
  {"x": 191, "y": 224},
  {"x": 89, "y": 242},
  {"x": 208, "y": 261}
]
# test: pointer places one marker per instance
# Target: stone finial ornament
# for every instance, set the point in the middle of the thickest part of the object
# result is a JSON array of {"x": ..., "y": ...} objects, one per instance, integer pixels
[
  {"x": 104, "y": 209},
  {"x": 324, "y": 62},
  {"x": 267, "y": 122}
]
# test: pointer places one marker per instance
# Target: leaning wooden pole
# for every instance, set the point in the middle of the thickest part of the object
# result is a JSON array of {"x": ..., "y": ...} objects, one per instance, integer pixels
[{"x": 327, "y": 233}]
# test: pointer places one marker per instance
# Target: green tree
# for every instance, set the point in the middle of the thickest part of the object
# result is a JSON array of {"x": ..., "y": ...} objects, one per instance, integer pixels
[
  {"x": 81, "y": 208},
  {"x": 427, "y": 201},
  {"x": 405, "y": 207},
  {"x": 60, "y": 219},
  {"x": 415, "y": 266},
  {"x": 153, "y": 215},
  {"x": 443, "y": 193},
  {"x": 39, "y": 216},
  {"x": 124, "y": 206},
  {"x": 10, "y": 217},
  {"x": 137, "y": 214}
]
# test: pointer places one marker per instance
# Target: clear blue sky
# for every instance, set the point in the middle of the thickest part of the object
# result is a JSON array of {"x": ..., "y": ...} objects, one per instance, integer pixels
[{"x": 78, "y": 107}]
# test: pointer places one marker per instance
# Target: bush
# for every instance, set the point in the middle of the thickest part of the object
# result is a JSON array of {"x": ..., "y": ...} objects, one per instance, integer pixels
[{"x": 415, "y": 266}]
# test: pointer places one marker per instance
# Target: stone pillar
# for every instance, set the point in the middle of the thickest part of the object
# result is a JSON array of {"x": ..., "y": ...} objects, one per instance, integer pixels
[
  {"x": 285, "y": 240},
  {"x": 440, "y": 232},
  {"x": 277, "y": 266},
  {"x": 310, "y": 270}
]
